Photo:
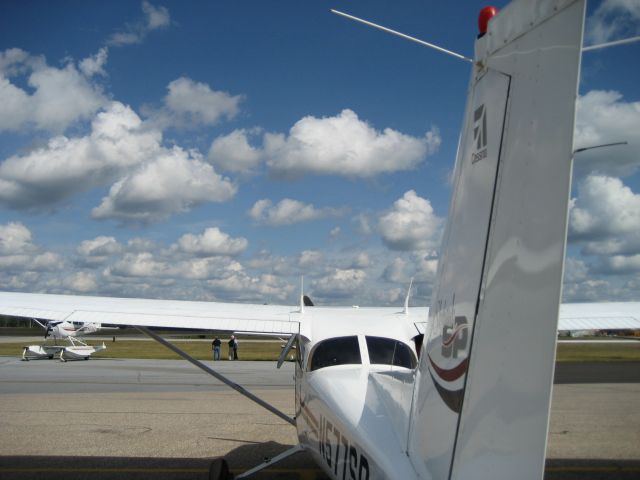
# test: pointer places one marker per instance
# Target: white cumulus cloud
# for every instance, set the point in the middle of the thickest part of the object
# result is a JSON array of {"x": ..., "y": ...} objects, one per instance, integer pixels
[
  {"x": 157, "y": 17},
  {"x": 59, "y": 97},
  {"x": 212, "y": 242},
  {"x": 411, "y": 224},
  {"x": 82, "y": 282},
  {"x": 604, "y": 207},
  {"x": 234, "y": 153},
  {"x": 174, "y": 182},
  {"x": 94, "y": 65},
  {"x": 261, "y": 288},
  {"x": 620, "y": 264},
  {"x": 339, "y": 283},
  {"x": 394, "y": 272},
  {"x": 344, "y": 145},
  {"x": 15, "y": 238},
  {"x": 288, "y": 212},
  {"x": 310, "y": 258},
  {"x": 69, "y": 165},
  {"x": 154, "y": 18},
  {"x": 605, "y": 219},
  {"x": 189, "y": 103},
  {"x": 99, "y": 249},
  {"x": 605, "y": 117},
  {"x": 142, "y": 264},
  {"x": 613, "y": 20},
  {"x": 18, "y": 253}
]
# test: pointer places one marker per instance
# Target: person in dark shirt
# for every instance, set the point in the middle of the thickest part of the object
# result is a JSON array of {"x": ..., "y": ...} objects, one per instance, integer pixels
[
  {"x": 215, "y": 346},
  {"x": 233, "y": 348}
]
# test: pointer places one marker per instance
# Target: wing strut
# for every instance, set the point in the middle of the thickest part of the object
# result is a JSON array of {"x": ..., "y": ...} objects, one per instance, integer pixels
[
  {"x": 241, "y": 390},
  {"x": 270, "y": 462}
]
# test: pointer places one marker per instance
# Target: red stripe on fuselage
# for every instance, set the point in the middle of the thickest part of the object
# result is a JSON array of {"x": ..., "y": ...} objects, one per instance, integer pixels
[{"x": 449, "y": 375}]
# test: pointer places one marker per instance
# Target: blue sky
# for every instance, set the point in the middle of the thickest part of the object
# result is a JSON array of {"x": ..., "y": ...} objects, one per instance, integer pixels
[{"x": 219, "y": 150}]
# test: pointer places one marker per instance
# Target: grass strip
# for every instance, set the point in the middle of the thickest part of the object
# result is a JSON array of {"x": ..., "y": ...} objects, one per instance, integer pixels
[
  {"x": 598, "y": 352},
  {"x": 151, "y": 349},
  {"x": 566, "y": 352}
]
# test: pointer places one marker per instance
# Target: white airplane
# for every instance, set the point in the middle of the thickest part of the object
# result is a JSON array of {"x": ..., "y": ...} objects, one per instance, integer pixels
[
  {"x": 72, "y": 331},
  {"x": 470, "y": 399}
]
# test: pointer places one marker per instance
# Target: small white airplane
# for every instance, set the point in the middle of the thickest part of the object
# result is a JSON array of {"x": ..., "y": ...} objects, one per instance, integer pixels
[
  {"x": 72, "y": 331},
  {"x": 461, "y": 390}
]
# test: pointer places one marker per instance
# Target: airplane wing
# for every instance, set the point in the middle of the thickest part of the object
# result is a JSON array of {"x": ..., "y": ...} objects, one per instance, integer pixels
[
  {"x": 599, "y": 316},
  {"x": 275, "y": 319},
  {"x": 253, "y": 318}
]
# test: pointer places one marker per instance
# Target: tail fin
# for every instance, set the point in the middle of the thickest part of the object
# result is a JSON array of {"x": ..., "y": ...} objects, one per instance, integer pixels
[{"x": 481, "y": 402}]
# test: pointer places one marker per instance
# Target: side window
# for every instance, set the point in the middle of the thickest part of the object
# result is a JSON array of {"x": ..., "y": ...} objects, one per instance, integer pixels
[
  {"x": 387, "y": 351},
  {"x": 336, "y": 351}
]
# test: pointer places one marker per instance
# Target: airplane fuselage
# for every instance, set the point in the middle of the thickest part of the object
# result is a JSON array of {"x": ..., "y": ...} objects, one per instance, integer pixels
[
  {"x": 72, "y": 329},
  {"x": 352, "y": 394}
]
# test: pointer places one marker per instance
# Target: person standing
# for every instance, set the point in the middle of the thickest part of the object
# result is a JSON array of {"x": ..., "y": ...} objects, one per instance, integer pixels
[
  {"x": 215, "y": 346},
  {"x": 232, "y": 343},
  {"x": 235, "y": 348}
]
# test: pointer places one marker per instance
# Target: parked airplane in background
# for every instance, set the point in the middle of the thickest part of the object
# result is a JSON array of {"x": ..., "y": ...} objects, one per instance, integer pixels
[
  {"x": 72, "y": 331},
  {"x": 469, "y": 398}
]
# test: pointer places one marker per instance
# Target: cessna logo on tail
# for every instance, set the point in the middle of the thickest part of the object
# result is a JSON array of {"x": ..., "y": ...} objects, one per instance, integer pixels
[
  {"x": 479, "y": 134},
  {"x": 455, "y": 339}
]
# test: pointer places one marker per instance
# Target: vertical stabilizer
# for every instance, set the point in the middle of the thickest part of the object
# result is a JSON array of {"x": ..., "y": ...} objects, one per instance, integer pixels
[{"x": 483, "y": 387}]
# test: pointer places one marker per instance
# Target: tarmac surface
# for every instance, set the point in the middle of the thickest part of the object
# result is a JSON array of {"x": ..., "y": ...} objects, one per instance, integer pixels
[{"x": 108, "y": 419}]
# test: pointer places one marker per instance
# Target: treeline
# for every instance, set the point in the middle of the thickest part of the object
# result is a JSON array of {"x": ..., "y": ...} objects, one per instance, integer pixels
[{"x": 16, "y": 322}]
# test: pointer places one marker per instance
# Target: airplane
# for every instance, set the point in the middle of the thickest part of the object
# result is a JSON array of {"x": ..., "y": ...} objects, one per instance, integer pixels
[
  {"x": 72, "y": 331},
  {"x": 460, "y": 390}
]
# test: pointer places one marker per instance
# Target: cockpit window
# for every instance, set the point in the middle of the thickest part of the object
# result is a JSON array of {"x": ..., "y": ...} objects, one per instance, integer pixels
[
  {"x": 336, "y": 351},
  {"x": 387, "y": 351}
]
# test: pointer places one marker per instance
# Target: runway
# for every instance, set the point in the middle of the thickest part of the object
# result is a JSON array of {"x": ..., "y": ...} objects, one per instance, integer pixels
[{"x": 163, "y": 418}]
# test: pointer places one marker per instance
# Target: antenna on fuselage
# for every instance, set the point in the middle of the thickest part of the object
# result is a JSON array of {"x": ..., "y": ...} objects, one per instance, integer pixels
[
  {"x": 584, "y": 149},
  {"x": 406, "y": 299},
  {"x": 624, "y": 41},
  {"x": 406, "y": 37}
]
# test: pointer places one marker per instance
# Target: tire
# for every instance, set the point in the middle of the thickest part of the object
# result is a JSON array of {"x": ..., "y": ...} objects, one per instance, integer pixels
[{"x": 219, "y": 470}]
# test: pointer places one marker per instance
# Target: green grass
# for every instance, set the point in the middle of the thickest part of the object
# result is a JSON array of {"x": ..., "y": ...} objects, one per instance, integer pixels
[
  {"x": 567, "y": 352},
  {"x": 152, "y": 349},
  {"x": 598, "y": 352}
]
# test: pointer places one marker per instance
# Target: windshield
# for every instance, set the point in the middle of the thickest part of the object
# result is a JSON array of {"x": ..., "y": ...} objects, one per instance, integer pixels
[
  {"x": 336, "y": 351},
  {"x": 387, "y": 351}
]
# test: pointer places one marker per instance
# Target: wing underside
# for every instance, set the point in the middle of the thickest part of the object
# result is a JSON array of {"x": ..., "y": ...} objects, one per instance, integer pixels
[
  {"x": 599, "y": 316},
  {"x": 151, "y": 313},
  {"x": 264, "y": 319}
]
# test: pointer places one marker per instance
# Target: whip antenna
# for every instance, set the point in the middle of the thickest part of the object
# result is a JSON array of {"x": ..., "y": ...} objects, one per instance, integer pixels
[
  {"x": 611, "y": 44},
  {"x": 407, "y": 37}
]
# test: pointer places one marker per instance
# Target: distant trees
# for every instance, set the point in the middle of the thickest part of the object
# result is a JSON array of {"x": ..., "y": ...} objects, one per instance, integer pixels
[{"x": 16, "y": 322}]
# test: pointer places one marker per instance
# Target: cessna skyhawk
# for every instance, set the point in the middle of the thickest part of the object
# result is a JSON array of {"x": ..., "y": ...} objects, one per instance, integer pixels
[{"x": 470, "y": 399}]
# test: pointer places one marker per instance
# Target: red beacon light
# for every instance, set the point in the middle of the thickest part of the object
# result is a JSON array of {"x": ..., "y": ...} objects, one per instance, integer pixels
[{"x": 486, "y": 14}]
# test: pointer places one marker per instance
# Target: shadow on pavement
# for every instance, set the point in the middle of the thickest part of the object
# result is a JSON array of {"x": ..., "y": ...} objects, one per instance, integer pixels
[
  {"x": 575, "y": 469},
  {"x": 298, "y": 467}
]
